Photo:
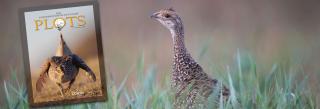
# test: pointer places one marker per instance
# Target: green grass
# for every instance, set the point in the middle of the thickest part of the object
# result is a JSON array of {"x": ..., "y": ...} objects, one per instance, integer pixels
[{"x": 280, "y": 87}]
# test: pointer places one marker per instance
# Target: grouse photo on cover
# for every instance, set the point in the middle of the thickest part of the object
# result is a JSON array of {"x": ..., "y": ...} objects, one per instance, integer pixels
[{"x": 63, "y": 54}]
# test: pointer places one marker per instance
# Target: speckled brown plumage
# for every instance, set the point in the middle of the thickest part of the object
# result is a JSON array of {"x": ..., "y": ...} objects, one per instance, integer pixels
[
  {"x": 62, "y": 68},
  {"x": 186, "y": 71}
]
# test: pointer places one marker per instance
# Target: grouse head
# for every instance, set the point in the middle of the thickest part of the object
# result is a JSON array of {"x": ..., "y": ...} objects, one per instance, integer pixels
[{"x": 168, "y": 18}]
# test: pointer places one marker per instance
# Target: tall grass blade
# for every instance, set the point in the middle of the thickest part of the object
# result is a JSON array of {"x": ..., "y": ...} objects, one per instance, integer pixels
[
  {"x": 232, "y": 96},
  {"x": 8, "y": 97}
]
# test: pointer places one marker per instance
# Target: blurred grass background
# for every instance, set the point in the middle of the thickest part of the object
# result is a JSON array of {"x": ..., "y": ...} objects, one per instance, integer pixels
[
  {"x": 273, "y": 34},
  {"x": 280, "y": 88}
]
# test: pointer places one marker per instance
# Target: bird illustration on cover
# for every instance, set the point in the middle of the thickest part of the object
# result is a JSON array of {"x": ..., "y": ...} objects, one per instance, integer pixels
[{"x": 63, "y": 67}]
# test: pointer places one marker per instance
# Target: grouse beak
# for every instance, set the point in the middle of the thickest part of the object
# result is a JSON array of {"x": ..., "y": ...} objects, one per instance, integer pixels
[{"x": 154, "y": 16}]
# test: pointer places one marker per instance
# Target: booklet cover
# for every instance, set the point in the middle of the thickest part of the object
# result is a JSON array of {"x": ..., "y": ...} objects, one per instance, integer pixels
[{"x": 63, "y": 54}]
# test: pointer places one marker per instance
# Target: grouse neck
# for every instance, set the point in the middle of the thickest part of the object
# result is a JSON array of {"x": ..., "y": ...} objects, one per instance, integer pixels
[
  {"x": 178, "y": 40},
  {"x": 63, "y": 49}
]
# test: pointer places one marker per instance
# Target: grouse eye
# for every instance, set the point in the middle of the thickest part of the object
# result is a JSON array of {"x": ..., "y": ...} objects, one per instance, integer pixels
[{"x": 167, "y": 15}]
